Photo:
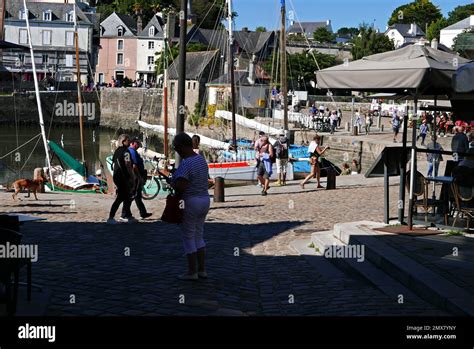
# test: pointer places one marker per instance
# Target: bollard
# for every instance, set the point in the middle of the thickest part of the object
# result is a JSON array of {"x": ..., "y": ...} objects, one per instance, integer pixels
[
  {"x": 348, "y": 126},
  {"x": 219, "y": 189},
  {"x": 379, "y": 121},
  {"x": 331, "y": 179},
  {"x": 381, "y": 128},
  {"x": 355, "y": 130}
]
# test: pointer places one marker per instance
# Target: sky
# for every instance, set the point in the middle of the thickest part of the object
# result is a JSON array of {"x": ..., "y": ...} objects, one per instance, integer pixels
[{"x": 342, "y": 13}]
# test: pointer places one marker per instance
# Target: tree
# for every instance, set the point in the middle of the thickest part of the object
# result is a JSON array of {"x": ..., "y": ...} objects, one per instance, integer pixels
[
  {"x": 261, "y": 29},
  {"x": 208, "y": 14},
  {"x": 323, "y": 35},
  {"x": 301, "y": 68},
  {"x": 435, "y": 27},
  {"x": 460, "y": 13},
  {"x": 347, "y": 32},
  {"x": 369, "y": 42},
  {"x": 421, "y": 12},
  {"x": 464, "y": 43}
]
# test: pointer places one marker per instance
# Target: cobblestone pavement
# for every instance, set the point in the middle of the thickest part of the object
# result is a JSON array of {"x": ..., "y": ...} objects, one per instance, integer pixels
[{"x": 253, "y": 270}]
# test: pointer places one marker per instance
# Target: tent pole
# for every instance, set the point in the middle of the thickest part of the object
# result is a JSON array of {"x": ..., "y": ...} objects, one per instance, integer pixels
[
  {"x": 403, "y": 170},
  {"x": 434, "y": 142},
  {"x": 386, "y": 196},
  {"x": 412, "y": 164}
]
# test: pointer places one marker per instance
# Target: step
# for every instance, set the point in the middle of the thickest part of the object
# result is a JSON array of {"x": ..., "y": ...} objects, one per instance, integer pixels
[
  {"x": 365, "y": 270},
  {"x": 427, "y": 284}
]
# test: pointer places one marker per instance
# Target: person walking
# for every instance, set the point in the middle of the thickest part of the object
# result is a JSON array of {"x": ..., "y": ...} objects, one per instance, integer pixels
[
  {"x": 124, "y": 180},
  {"x": 368, "y": 123},
  {"x": 395, "y": 126},
  {"x": 333, "y": 119},
  {"x": 264, "y": 163},
  {"x": 423, "y": 132},
  {"x": 190, "y": 183},
  {"x": 433, "y": 159},
  {"x": 315, "y": 152},
  {"x": 282, "y": 154},
  {"x": 339, "y": 117},
  {"x": 140, "y": 176}
]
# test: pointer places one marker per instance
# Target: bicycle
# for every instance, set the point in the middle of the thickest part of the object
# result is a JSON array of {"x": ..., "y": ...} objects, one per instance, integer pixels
[{"x": 157, "y": 179}]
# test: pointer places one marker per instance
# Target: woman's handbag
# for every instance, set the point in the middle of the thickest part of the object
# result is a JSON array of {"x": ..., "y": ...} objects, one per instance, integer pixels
[{"x": 174, "y": 208}]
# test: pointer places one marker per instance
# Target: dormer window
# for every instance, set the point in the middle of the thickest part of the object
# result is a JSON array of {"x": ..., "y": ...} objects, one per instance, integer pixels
[
  {"x": 47, "y": 15},
  {"x": 120, "y": 31},
  {"x": 70, "y": 16},
  {"x": 22, "y": 14},
  {"x": 151, "y": 31}
]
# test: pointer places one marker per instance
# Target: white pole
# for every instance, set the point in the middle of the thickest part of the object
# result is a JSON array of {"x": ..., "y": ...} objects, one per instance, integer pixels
[{"x": 38, "y": 99}]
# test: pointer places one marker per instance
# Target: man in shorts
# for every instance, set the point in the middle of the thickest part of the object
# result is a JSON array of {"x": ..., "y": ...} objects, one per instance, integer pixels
[
  {"x": 395, "y": 126},
  {"x": 281, "y": 148}
]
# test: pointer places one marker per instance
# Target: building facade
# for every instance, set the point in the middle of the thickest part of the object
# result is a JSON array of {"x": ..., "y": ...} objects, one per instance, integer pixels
[
  {"x": 402, "y": 34},
  {"x": 448, "y": 34},
  {"x": 52, "y": 36},
  {"x": 150, "y": 43}
]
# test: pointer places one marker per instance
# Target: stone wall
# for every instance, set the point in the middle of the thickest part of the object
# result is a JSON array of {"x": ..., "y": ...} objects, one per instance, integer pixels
[
  {"x": 121, "y": 107},
  {"x": 59, "y": 106}
]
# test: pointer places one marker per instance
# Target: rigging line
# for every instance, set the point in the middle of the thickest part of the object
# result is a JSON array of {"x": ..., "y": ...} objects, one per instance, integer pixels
[
  {"x": 21, "y": 146},
  {"x": 309, "y": 45},
  {"x": 29, "y": 156},
  {"x": 200, "y": 24}
]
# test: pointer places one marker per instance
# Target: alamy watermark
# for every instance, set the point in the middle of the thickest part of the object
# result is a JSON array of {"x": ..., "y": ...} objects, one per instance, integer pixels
[
  {"x": 74, "y": 109},
  {"x": 19, "y": 251},
  {"x": 343, "y": 251}
]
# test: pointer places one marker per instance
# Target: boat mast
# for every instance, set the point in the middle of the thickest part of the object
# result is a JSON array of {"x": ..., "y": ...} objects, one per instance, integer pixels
[
  {"x": 230, "y": 71},
  {"x": 284, "y": 85},
  {"x": 165, "y": 84},
  {"x": 79, "y": 96},
  {"x": 38, "y": 99},
  {"x": 183, "y": 14}
]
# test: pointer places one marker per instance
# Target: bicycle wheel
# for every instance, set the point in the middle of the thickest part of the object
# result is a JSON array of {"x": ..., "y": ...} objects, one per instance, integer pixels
[{"x": 151, "y": 188}]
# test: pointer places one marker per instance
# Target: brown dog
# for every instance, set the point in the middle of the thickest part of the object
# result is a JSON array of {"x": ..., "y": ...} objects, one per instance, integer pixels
[{"x": 28, "y": 184}]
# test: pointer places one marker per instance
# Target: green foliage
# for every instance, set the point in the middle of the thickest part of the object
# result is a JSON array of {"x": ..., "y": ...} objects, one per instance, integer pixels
[
  {"x": 323, "y": 35},
  {"x": 435, "y": 27},
  {"x": 194, "y": 118},
  {"x": 301, "y": 68},
  {"x": 421, "y": 12},
  {"x": 261, "y": 29},
  {"x": 369, "y": 42},
  {"x": 347, "y": 32},
  {"x": 172, "y": 53},
  {"x": 464, "y": 43},
  {"x": 296, "y": 37},
  {"x": 459, "y": 13}
]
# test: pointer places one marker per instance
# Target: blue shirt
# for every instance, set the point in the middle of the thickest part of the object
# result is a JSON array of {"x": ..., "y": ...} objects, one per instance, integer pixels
[
  {"x": 196, "y": 171},
  {"x": 137, "y": 159}
]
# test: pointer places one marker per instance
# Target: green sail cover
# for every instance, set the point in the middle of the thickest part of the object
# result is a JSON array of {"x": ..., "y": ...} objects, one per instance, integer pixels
[{"x": 67, "y": 159}]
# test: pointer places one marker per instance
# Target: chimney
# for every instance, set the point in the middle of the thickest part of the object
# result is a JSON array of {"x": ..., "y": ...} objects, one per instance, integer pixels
[
  {"x": 413, "y": 29},
  {"x": 171, "y": 25},
  {"x": 434, "y": 43},
  {"x": 139, "y": 23},
  {"x": 328, "y": 22},
  {"x": 245, "y": 29}
]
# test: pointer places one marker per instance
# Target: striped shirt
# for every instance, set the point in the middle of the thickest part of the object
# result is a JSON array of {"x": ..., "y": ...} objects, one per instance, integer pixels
[{"x": 196, "y": 171}]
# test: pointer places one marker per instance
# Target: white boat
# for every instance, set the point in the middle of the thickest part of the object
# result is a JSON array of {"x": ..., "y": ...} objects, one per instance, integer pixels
[{"x": 242, "y": 170}]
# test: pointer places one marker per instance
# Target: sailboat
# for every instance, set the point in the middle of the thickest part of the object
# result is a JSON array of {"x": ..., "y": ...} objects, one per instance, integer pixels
[{"x": 70, "y": 174}]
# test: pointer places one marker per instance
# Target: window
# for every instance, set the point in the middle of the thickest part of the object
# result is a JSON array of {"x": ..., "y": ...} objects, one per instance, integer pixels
[
  {"x": 45, "y": 59},
  {"x": 120, "y": 31},
  {"x": 46, "y": 37},
  {"x": 69, "y": 38},
  {"x": 119, "y": 44},
  {"x": 189, "y": 85},
  {"x": 101, "y": 78},
  {"x": 70, "y": 16},
  {"x": 21, "y": 58},
  {"x": 194, "y": 85},
  {"x": 47, "y": 16},
  {"x": 23, "y": 36},
  {"x": 151, "y": 31},
  {"x": 22, "y": 14},
  {"x": 151, "y": 45},
  {"x": 172, "y": 90},
  {"x": 151, "y": 60},
  {"x": 69, "y": 60},
  {"x": 119, "y": 58}
]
